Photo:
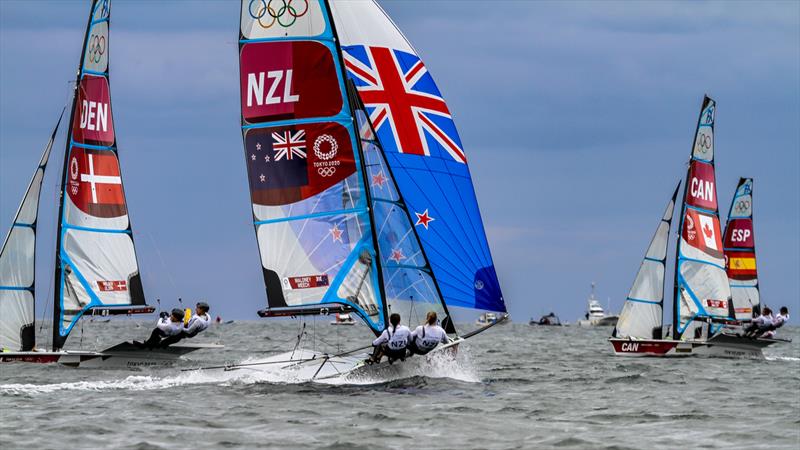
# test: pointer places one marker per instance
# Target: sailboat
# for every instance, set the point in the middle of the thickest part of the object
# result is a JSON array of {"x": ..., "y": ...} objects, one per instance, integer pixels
[
  {"x": 704, "y": 321},
  {"x": 740, "y": 253},
  {"x": 96, "y": 268},
  {"x": 361, "y": 196}
]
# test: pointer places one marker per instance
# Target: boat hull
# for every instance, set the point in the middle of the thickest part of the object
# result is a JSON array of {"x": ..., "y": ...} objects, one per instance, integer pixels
[
  {"x": 720, "y": 346},
  {"x": 120, "y": 356}
]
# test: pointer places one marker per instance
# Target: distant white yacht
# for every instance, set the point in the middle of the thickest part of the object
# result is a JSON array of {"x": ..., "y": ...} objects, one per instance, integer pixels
[{"x": 595, "y": 316}]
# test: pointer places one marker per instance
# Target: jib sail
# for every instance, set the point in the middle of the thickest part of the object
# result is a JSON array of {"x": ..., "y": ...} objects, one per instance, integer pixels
[
  {"x": 740, "y": 252},
  {"x": 422, "y": 147},
  {"x": 18, "y": 265},
  {"x": 642, "y": 313},
  {"x": 95, "y": 257},
  {"x": 701, "y": 284}
]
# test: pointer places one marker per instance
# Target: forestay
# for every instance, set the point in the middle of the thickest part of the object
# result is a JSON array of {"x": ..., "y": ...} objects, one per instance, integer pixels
[
  {"x": 701, "y": 284},
  {"x": 18, "y": 264},
  {"x": 740, "y": 252},
  {"x": 310, "y": 207},
  {"x": 95, "y": 259},
  {"x": 642, "y": 313},
  {"x": 424, "y": 152}
]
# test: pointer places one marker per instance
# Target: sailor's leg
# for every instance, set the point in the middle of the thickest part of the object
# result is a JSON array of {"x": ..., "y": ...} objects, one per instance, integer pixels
[
  {"x": 154, "y": 338},
  {"x": 166, "y": 342}
]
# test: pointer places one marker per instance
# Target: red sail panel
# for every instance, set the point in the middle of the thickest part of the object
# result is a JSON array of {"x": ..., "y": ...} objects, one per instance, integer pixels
[
  {"x": 701, "y": 189},
  {"x": 739, "y": 234},
  {"x": 702, "y": 231},
  {"x": 92, "y": 122}
]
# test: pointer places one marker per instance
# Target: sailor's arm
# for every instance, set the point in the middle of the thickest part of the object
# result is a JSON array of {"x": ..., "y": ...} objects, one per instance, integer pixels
[
  {"x": 384, "y": 337},
  {"x": 163, "y": 324}
]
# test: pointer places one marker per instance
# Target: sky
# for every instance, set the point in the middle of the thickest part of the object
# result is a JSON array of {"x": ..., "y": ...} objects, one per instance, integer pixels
[{"x": 577, "y": 119}]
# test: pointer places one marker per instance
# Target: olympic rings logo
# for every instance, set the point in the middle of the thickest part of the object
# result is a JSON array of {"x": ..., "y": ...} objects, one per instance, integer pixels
[
  {"x": 704, "y": 142},
  {"x": 742, "y": 206},
  {"x": 286, "y": 15},
  {"x": 97, "y": 48},
  {"x": 326, "y": 171},
  {"x": 330, "y": 153}
]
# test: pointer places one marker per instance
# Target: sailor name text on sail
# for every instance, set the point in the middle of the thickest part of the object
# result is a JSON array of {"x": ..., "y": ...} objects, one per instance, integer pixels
[
  {"x": 94, "y": 116},
  {"x": 255, "y": 88}
]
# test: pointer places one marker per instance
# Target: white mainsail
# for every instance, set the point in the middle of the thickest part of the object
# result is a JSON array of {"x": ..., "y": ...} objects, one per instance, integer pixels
[
  {"x": 18, "y": 265},
  {"x": 642, "y": 314}
]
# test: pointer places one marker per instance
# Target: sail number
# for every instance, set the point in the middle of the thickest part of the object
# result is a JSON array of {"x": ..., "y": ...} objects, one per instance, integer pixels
[{"x": 255, "y": 88}]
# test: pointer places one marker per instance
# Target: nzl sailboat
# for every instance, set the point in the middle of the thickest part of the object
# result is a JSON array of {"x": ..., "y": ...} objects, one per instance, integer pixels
[
  {"x": 96, "y": 267},
  {"x": 705, "y": 319},
  {"x": 362, "y": 199}
]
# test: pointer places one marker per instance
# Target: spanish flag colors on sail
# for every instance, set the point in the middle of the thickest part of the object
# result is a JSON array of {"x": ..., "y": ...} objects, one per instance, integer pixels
[{"x": 740, "y": 252}]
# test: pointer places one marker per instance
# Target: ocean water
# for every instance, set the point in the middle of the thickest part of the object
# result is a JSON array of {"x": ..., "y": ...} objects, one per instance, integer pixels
[{"x": 514, "y": 386}]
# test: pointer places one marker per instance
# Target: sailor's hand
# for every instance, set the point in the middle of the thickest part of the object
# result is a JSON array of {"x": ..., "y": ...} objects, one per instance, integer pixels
[{"x": 163, "y": 314}]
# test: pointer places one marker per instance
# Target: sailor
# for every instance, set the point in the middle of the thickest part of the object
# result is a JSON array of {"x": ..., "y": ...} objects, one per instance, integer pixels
[
  {"x": 197, "y": 323},
  {"x": 392, "y": 342},
  {"x": 427, "y": 336},
  {"x": 777, "y": 322},
  {"x": 762, "y": 322},
  {"x": 168, "y": 325}
]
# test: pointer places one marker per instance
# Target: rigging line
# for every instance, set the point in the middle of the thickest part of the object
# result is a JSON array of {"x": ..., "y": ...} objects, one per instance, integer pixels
[
  {"x": 158, "y": 252},
  {"x": 237, "y": 366}
]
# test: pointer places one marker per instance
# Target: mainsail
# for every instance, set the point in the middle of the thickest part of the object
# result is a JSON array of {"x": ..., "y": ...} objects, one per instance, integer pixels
[
  {"x": 422, "y": 148},
  {"x": 740, "y": 252},
  {"x": 18, "y": 264},
  {"x": 95, "y": 257},
  {"x": 310, "y": 205},
  {"x": 642, "y": 314},
  {"x": 701, "y": 284}
]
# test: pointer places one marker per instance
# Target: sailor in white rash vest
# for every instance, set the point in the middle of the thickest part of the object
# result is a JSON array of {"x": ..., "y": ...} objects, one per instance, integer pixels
[
  {"x": 392, "y": 342},
  {"x": 168, "y": 326},
  {"x": 427, "y": 336},
  {"x": 197, "y": 323}
]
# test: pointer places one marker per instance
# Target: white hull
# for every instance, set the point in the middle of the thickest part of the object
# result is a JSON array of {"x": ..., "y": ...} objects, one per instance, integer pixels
[{"x": 606, "y": 321}]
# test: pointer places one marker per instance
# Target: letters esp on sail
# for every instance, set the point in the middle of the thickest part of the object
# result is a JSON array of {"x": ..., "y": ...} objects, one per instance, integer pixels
[
  {"x": 422, "y": 147},
  {"x": 18, "y": 264},
  {"x": 96, "y": 262},
  {"x": 309, "y": 198},
  {"x": 642, "y": 313},
  {"x": 740, "y": 252},
  {"x": 701, "y": 284}
]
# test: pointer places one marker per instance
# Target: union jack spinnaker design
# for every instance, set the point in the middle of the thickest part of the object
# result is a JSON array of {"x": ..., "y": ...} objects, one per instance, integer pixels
[
  {"x": 18, "y": 265},
  {"x": 740, "y": 253},
  {"x": 701, "y": 284},
  {"x": 421, "y": 146},
  {"x": 643, "y": 312},
  {"x": 95, "y": 257}
]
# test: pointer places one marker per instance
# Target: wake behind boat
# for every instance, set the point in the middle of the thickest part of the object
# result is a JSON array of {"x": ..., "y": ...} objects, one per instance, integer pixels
[
  {"x": 707, "y": 318},
  {"x": 352, "y": 161}
]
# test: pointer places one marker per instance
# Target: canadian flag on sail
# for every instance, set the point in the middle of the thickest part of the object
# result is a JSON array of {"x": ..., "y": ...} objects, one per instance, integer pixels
[
  {"x": 702, "y": 231},
  {"x": 707, "y": 231}
]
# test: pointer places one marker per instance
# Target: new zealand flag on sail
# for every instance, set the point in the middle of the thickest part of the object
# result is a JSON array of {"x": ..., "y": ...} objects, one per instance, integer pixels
[{"x": 292, "y": 163}]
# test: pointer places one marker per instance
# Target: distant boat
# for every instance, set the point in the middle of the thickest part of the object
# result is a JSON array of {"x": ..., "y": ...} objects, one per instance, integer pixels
[
  {"x": 548, "y": 320},
  {"x": 490, "y": 318},
  {"x": 595, "y": 315},
  {"x": 343, "y": 319},
  {"x": 707, "y": 318}
]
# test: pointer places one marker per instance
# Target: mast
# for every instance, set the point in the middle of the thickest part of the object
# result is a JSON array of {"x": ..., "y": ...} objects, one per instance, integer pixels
[
  {"x": 701, "y": 286},
  {"x": 740, "y": 253},
  {"x": 18, "y": 263},
  {"x": 96, "y": 264}
]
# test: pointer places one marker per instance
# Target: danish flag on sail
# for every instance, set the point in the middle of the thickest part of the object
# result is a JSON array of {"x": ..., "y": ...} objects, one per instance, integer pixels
[{"x": 405, "y": 106}]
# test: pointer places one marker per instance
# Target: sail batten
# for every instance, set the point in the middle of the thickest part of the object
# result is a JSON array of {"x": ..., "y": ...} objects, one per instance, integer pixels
[
  {"x": 18, "y": 263},
  {"x": 642, "y": 313},
  {"x": 701, "y": 285},
  {"x": 740, "y": 253},
  {"x": 96, "y": 264}
]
